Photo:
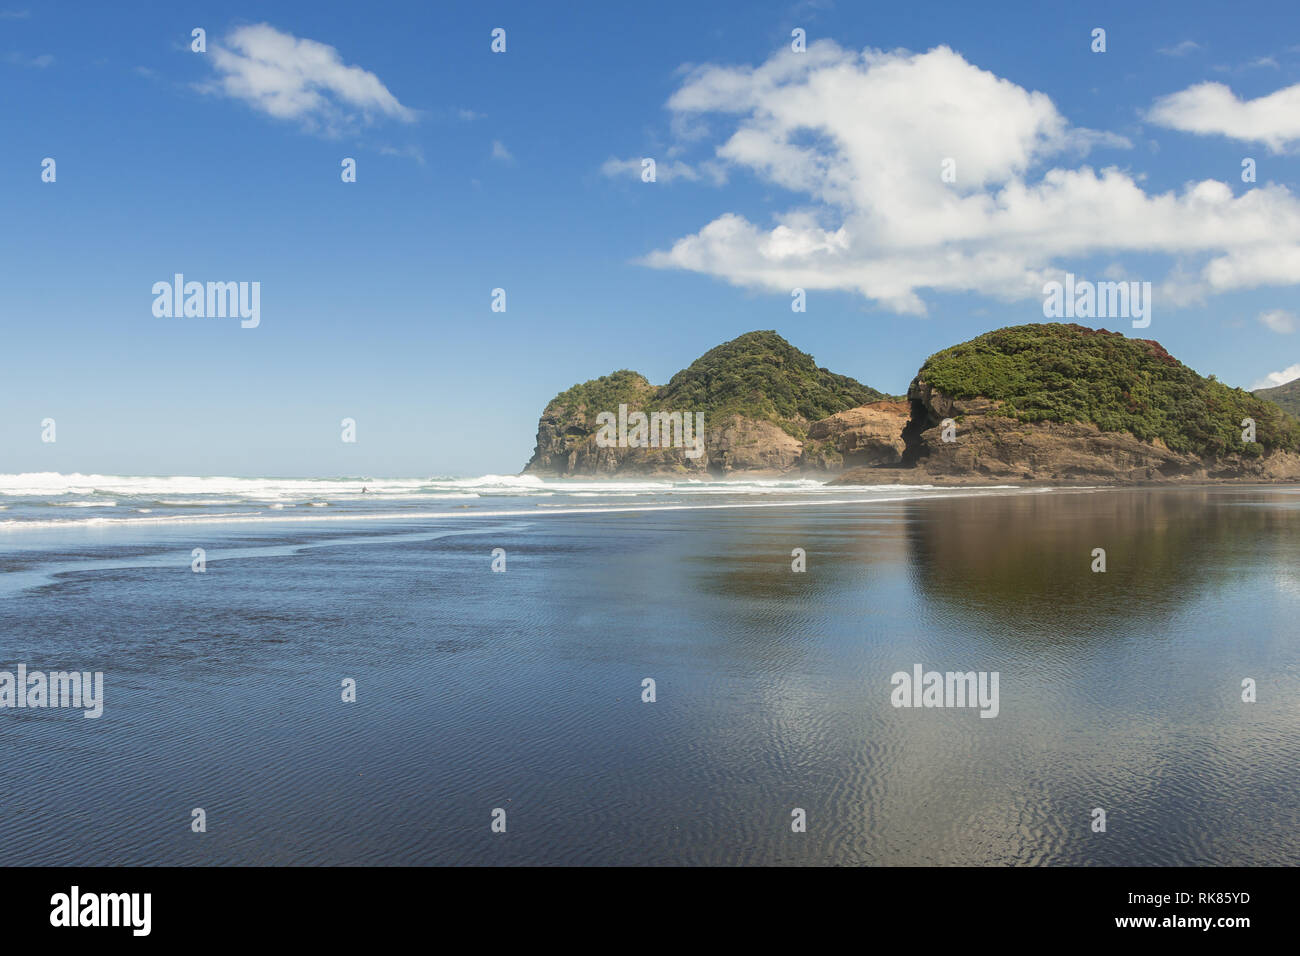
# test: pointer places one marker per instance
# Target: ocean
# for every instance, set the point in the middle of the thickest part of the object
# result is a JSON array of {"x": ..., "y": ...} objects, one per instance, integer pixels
[{"x": 504, "y": 716}]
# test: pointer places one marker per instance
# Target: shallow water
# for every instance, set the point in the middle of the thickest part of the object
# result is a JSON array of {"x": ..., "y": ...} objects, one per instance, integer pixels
[{"x": 478, "y": 690}]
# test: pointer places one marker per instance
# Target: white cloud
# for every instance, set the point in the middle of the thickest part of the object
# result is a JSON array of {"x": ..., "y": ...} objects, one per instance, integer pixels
[
  {"x": 666, "y": 171},
  {"x": 406, "y": 152},
  {"x": 861, "y": 139},
  {"x": 1181, "y": 49},
  {"x": 1212, "y": 109},
  {"x": 1273, "y": 379},
  {"x": 1279, "y": 321},
  {"x": 500, "y": 153},
  {"x": 296, "y": 79},
  {"x": 36, "y": 62}
]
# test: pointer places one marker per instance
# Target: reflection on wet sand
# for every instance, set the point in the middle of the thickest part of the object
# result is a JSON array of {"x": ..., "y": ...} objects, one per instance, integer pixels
[{"x": 1030, "y": 559}]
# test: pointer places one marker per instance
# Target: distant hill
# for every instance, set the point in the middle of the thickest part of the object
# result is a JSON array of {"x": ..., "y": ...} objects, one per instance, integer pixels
[{"x": 1287, "y": 396}]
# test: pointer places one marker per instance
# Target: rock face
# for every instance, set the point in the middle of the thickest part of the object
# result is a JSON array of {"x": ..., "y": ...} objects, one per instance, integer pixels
[
  {"x": 744, "y": 445},
  {"x": 990, "y": 446},
  {"x": 566, "y": 442},
  {"x": 869, "y": 436},
  {"x": 565, "y": 452}
]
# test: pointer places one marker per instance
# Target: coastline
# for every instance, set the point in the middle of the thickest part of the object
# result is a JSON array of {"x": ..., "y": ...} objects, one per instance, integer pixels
[{"x": 912, "y": 477}]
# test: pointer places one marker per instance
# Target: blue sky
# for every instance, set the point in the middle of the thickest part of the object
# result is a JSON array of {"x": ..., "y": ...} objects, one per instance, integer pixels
[{"x": 520, "y": 170}]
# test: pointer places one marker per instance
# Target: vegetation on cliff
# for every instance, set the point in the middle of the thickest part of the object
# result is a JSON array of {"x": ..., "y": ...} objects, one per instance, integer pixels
[
  {"x": 763, "y": 377},
  {"x": 1287, "y": 396},
  {"x": 583, "y": 402},
  {"x": 1070, "y": 373},
  {"x": 758, "y": 376}
]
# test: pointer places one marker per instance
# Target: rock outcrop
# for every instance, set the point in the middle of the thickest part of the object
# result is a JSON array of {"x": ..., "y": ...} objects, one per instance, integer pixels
[
  {"x": 742, "y": 444},
  {"x": 1048, "y": 402},
  {"x": 869, "y": 436},
  {"x": 1013, "y": 437},
  {"x": 759, "y": 400},
  {"x": 987, "y": 446}
]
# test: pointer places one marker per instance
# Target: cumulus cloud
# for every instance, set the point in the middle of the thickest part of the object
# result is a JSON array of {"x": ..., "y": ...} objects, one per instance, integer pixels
[
  {"x": 1181, "y": 49},
  {"x": 1273, "y": 379},
  {"x": 500, "y": 153},
  {"x": 1212, "y": 109},
  {"x": 862, "y": 139},
  {"x": 296, "y": 79},
  {"x": 1279, "y": 321}
]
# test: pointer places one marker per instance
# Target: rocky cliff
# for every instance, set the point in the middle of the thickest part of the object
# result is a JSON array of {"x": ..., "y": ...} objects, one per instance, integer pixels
[
  {"x": 757, "y": 396},
  {"x": 870, "y": 436},
  {"x": 1063, "y": 403},
  {"x": 1043, "y": 402}
]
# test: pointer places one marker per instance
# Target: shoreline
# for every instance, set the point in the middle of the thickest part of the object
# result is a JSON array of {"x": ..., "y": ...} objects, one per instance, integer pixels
[
  {"x": 825, "y": 494},
  {"x": 539, "y": 508},
  {"x": 912, "y": 478}
]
